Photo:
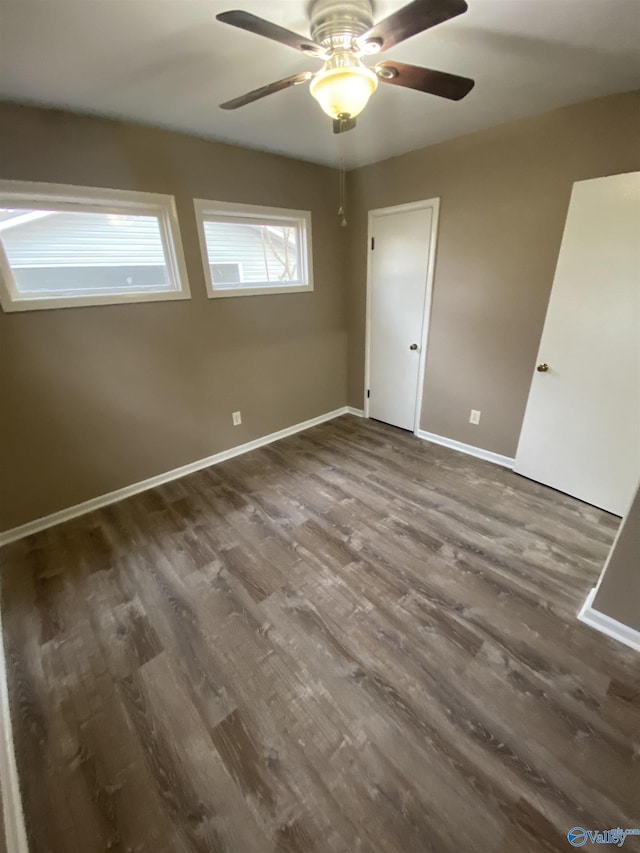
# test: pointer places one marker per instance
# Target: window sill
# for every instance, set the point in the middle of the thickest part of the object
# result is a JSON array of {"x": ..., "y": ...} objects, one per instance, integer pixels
[
  {"x": 39, "y": 304},
  {"x": 217, "y": 293}
]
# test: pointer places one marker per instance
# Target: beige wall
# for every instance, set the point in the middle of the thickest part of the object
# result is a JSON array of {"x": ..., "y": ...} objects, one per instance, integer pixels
[
  {"x": 618, "y": 594},
  {"x": 96, "y": 398},
  {"x": 504, "y": 196}
]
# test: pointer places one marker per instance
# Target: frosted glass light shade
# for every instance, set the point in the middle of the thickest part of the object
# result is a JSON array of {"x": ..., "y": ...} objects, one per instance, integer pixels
[{"x": 344, "y": 92}]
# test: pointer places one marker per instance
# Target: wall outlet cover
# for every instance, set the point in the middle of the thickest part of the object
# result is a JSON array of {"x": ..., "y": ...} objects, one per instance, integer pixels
[
  {"x": 475, "y": 416},
  {"x": 237, "y": 418}
]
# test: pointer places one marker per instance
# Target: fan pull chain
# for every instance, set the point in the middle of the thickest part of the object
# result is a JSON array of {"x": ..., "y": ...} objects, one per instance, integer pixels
[
  {"x": 342, "y": 182},
  {"x": 342, "y": 210}
]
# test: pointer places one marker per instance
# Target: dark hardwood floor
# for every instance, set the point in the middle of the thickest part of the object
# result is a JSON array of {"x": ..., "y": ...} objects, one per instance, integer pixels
[{"x": 350, "y": 640}]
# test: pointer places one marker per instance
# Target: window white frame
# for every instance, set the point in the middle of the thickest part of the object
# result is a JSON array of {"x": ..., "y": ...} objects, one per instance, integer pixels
[
  {"x": 247, "y": 214},
  {"x": 63, "y": 197}
]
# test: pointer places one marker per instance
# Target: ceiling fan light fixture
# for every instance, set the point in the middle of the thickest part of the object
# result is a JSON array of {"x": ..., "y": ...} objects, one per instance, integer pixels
[
  {"x": 343, "y": 92},
  {"x": 342, "y": 32}
]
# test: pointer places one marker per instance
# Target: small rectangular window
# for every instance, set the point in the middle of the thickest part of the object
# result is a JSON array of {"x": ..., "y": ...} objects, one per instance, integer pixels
[
  {"x": 62, "y": 246},
  {"x": 249, "y": 250}
]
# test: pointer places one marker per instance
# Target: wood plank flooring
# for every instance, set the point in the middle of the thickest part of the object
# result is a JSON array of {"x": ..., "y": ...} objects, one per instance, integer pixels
[{"x": 348, "y": 641}]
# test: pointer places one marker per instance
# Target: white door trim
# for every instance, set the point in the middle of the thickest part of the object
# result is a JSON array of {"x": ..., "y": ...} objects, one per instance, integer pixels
[{"x": 434, "y": 205}]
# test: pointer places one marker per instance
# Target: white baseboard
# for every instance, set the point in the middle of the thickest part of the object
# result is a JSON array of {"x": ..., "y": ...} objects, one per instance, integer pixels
[
  {"x": 359, "y": 413},
  {"x": 607, "y": 625},
  {"x": 478, "y": 452},
  {"x": 14, "y": 828},
  {"x": 135, "y": 488}
]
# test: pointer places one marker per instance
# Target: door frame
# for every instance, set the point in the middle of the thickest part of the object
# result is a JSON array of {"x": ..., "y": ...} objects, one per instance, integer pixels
[{"x": 434, "y": 205}]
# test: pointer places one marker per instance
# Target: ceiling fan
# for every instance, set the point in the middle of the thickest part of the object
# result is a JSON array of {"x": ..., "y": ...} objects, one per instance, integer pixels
[{"x": 342, "y": 32}]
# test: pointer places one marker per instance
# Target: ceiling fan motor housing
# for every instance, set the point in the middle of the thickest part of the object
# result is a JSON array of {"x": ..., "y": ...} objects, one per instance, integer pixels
[{"x": 336, "y": 24}]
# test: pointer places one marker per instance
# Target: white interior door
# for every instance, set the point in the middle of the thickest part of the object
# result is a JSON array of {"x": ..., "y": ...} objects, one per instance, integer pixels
[
  {"x": 581, "y": 432},
  {"x": 400, "y": 268}
]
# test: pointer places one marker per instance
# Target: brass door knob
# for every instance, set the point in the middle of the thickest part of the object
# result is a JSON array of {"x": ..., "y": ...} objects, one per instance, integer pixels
[
  {"x": 413, "y": 346},
  {"x": 542, "y": 368}
]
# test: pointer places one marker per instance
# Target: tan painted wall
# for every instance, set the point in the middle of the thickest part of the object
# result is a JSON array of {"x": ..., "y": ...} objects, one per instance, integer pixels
[
  {"x": 618, "y": 595},
  {"x": 96, "y": 398},
  {"x": 504, "y": 196}
]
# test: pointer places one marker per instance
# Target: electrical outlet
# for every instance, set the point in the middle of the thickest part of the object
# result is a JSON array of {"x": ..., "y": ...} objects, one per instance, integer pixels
[
  {"x": 475, "y": 417},
  {"x": 237, "y": 418}
]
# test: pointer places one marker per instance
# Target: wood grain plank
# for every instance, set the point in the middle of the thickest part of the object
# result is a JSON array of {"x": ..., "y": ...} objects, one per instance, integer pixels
[{"x": 350, "y": 641}]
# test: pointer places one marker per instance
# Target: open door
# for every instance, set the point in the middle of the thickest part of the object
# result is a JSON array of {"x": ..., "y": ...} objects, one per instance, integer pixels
[{"x": 581, "y": 431}]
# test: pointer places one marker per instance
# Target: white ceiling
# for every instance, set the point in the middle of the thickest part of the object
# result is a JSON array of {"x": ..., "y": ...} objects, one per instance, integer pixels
[{"x": 170, "y": 63}]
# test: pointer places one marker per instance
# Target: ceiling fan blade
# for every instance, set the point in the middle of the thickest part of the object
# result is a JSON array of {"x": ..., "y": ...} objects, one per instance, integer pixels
[
  {"x": 263, "y": 91},
  {"x": 424, "y": 80},
  {"x": 261, "y": 27},
  {"x": 342, "y": 125},
  {"x": 411, "y": 20}
]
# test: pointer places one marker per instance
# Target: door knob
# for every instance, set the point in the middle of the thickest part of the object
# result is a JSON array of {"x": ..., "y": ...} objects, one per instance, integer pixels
[
  {"x": 413, "y": 346},
  {"x": 542, "y": 368}
]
